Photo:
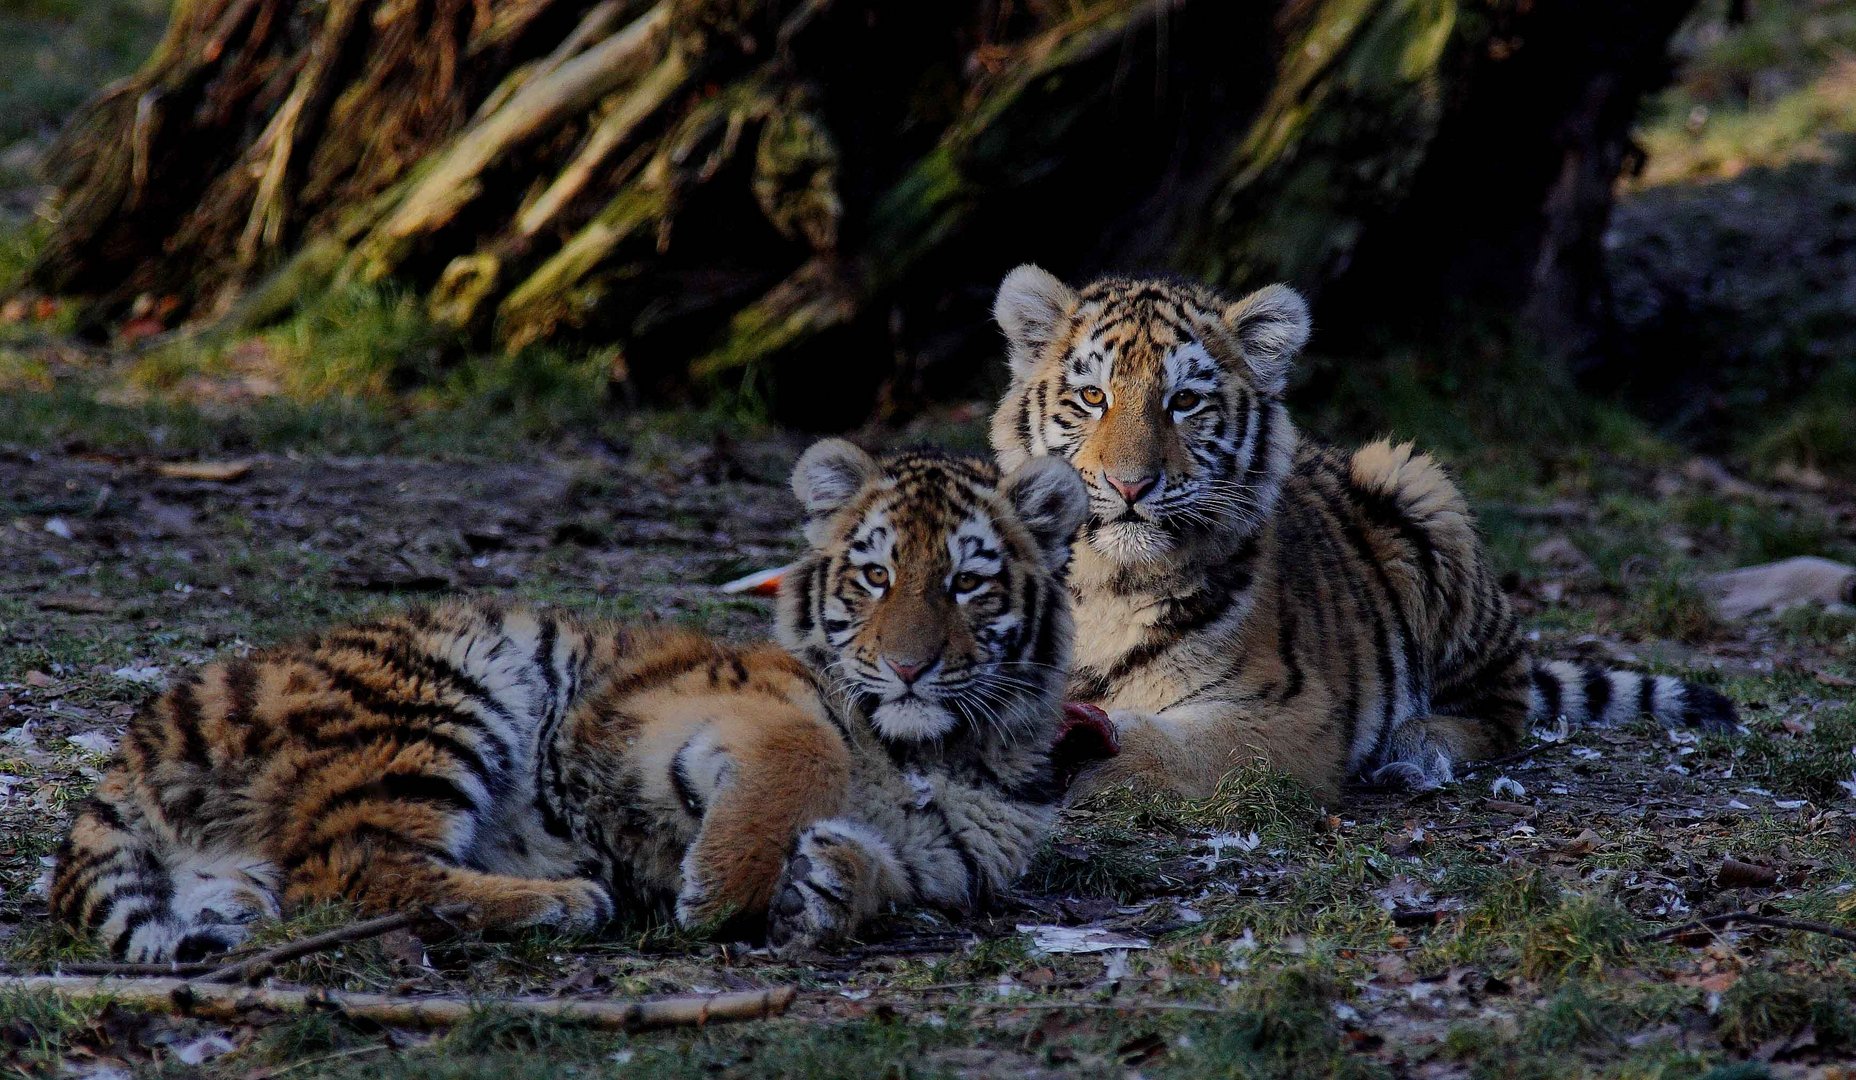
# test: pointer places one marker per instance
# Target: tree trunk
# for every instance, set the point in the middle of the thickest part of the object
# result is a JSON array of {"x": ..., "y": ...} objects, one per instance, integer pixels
[{"x": 744, "y": 192}]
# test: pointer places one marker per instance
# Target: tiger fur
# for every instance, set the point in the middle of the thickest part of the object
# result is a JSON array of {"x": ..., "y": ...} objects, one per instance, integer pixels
[
  {"x": 1243, "y": 591},
  {"x": 951, "y": 633},
  {"x": 511, "y": 766}
]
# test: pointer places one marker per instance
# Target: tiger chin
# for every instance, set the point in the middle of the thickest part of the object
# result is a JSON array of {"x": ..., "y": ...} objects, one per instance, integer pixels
[
  {"x": 1243, "y": 591},
  {"x": 506, "y": 766}
]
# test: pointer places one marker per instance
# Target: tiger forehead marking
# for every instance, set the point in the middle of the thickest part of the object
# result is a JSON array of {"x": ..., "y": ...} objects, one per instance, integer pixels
[
  {"x": 931, "y": 517},
  {"x": 1162, "y": 394}
]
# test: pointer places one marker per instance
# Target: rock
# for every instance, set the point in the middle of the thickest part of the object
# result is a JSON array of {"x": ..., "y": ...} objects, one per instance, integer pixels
[
  {"x": 1737, "y": 874},
  {"x": 1774, "y": 587},
  {"x": 1557, "y": 551}
]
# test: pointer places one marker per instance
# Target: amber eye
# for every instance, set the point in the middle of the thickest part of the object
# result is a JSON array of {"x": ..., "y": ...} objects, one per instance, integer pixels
[
  {"x": 1185, "y": 401},
  {"x": 877, "y": 576},
  {"x": 966, "y": 581},
  {"x": 1092, "y": 396}
]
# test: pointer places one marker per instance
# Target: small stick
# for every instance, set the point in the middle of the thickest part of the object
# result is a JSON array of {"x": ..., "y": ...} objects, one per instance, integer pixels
[
  {"x": 1509, "y": 759},
  {"x": 258, "y": 963},
  {"x": 338, "y": 1055},
  {"x": 241, "y": 963},
  {"x": 99, "y": 969},
  {"x": 213, "y": 1002},
  {"x": 1713, "y": 922}
]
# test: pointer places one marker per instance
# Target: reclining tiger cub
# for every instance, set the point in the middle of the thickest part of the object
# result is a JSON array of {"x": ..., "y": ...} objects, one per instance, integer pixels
[
  {"x": 1243, "y": 591},
  {"x": 522, "y": 767}
]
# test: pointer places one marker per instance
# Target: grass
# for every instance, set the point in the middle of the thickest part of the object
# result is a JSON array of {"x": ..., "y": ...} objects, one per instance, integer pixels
[
  {"x": 1763, "y": 93},
  {"x": 54, "y": 54}
]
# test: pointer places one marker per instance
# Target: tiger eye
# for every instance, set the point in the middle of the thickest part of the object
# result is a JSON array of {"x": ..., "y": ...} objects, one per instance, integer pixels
[
  {"x": 877, "y": 576},
  {"x": 966, "y": 581},
  {"x": 1092, "y": 396},
  {"x": 1186, "y": 400}
]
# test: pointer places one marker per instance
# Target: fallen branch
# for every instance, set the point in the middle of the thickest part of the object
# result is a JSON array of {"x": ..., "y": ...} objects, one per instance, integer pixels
[
  {"x": 211, "y": 1002},
  {"x": 101, "y": 969},
  {"x": 1714, "y": 922},
  {"x": 245, "y": 963},
  {"x": 257, "y": 965},
  {"x": 1509, "y": 759}
]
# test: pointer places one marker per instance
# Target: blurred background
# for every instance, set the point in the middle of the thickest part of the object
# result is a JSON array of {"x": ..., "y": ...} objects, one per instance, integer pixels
[{"x": 1519, "y": 221}]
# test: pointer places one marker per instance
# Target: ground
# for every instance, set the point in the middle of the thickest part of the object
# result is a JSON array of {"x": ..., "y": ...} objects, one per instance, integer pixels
[
  {"x": 1493, "y": 928},
  {"x": 166, "y": 502}
]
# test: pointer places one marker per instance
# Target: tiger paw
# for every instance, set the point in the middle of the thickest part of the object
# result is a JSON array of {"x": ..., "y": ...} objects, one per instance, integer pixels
[
  {"x": 585, "y": 905},
  {"x": 1413, "y": 776},
  {"x": 573, "y": 905},
  {"x": 816, "y": 903}
]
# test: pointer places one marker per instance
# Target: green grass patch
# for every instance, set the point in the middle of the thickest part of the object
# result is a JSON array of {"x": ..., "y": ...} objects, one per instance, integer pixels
[{"x": 1764, "y": 1005}]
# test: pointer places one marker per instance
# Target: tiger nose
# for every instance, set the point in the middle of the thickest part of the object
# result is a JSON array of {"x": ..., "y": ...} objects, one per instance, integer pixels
[
  {"x": 1131, "y": 490},
  {"x": 909, "y": 672}
]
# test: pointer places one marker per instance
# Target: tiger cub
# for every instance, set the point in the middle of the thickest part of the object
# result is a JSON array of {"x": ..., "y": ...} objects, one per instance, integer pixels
[
  {"x": 1244, "y": 591},
  {"x": 513, "y": 766}
]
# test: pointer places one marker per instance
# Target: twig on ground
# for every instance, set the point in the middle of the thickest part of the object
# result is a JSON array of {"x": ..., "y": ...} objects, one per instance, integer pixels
[
  {"x": 339, "y": 1055},
  {"x": 1519, "y": 755},
  {"x": 1089, "y": 1006},
  {"x": 258, "y": 964},
  {"x": 244, "y": 963},
  {"x": 214, "y": 1002},
  {"x": 1714, "y": 922},
  {"x": 100, "y": 969}
]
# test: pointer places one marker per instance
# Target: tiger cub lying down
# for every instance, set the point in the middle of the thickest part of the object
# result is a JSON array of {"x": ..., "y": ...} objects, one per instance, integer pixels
[
  {"x": 1245, "y": 591},
  {"x": 522, "y": 767}
]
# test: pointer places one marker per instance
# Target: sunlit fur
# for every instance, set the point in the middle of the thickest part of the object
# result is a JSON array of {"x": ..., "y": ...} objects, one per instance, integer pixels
[
  {"x": 511, "y": 766},
  {"x": 1333, "y": 612}
]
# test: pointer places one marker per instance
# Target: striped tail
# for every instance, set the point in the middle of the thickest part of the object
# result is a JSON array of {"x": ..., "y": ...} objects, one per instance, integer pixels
[
  {"x": 112, "y": 879},
  {"x": 1589, "y": 694}
]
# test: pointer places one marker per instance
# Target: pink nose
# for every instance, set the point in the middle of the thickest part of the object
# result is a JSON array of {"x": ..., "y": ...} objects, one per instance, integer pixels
[
  {"x": 908, "y": 673},
  {"x": 1131, "y": 490}
]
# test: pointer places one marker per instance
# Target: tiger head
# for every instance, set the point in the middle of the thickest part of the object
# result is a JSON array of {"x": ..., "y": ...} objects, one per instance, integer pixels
[
  {"x": 933, "y": 589},
  {"x": 1165, "y": 395}
]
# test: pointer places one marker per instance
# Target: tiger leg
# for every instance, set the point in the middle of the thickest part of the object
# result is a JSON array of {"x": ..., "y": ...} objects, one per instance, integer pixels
[
  {"x": 382, "y": 876},
  {"x": 1188, "y": 752},
  {"x": 764, "y": 776},
  {"x": 1423, "y": 755},
  {"x": 110, "y": 877}
]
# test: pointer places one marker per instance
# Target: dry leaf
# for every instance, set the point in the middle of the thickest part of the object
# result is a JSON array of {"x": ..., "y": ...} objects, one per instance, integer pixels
[
  {"x": 1584, "y": 844},
  {"x": 76, "y": 603},
  {"x": 1513, "y": 809},
  {"x": 1735, "y": 874},
  {"x": 219, "y": 471}
]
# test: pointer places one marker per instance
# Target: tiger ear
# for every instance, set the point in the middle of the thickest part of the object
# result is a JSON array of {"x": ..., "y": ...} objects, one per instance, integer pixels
[
  {"x": 1271, "y": 326},
  {"x": 1030, "y": 308},
  {"x": 829, "y": 475},
  {"x": 1050, "y": 498}
]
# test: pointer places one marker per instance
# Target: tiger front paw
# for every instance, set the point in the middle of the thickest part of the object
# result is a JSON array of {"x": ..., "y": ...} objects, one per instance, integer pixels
[{"x": 818, "y": 902}]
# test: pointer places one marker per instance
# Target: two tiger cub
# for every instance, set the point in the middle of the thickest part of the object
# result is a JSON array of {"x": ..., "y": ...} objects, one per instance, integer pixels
[
  {"x": 1243, "y": 592},
  {"x": 514, "y": 766}
]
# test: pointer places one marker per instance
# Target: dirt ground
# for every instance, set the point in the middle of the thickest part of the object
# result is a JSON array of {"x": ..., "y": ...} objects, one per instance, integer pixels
[{"x": 1493, "y": 928}]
